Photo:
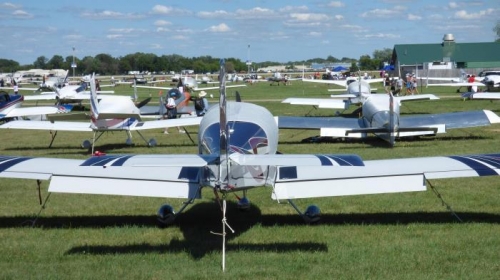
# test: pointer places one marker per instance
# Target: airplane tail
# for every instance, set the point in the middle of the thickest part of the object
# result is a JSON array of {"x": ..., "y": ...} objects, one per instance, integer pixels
[
  {"x": 224, "y": 135},
  {"x": 392, "y": 124},
  {"x": 94, "y": 104}
]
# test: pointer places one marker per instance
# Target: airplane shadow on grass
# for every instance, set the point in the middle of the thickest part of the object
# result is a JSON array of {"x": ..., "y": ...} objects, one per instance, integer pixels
[
  {"x": 202, "y": 218},
  {"x": 376, "y": 142},
  {"x": 77, "y": 150}
]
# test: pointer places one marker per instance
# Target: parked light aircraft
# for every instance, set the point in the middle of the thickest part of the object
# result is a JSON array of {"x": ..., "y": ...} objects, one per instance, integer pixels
[
  {"x": 380, "y": 116},
  {"x": 10, "y": 108},
  {"x": 116, "y": 113},
  {"x": 191, "y": 83},
  {"x": 237, "y": 152},
  {"x": 488, "y": 79},
  {"x": 68, "y": 94}
]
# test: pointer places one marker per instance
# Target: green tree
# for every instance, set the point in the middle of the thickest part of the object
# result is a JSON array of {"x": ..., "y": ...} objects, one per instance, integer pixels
[
  {"x": 40, "y": 62},
  {"x": 497, "y": 31},
  {"x": 56, "y": 62},
  {"x": 8, "y": 65},
  {"x": 384, "y": 55}
]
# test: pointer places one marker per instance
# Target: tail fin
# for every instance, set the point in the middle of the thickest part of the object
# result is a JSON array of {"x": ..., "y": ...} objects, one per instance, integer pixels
[
  {"x": 392, "y": 125},
  {"x": 224, "y": 135},
  {"x": 94, "y": 104}
]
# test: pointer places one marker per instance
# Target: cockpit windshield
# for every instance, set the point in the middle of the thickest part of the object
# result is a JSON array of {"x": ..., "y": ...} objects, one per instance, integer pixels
[{"x": 244, "y": 137}]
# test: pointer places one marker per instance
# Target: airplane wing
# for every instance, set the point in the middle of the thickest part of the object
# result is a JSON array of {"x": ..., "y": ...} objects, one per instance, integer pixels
[
  {"x": 21, "y": 88},
  {"x": 54, "y": 96},
  {"x": 340, "y": 127},
  {"x": 416, "y": 97},
  {"x": 187, "y": 121},
  {"x": 195, "y": 89},
  {"x": 175, "y": 176},
  {"x": 47, "y": 125},
  {"x": 319, "y": 102},
  {"x": 379, "y": 176},
  {"x": 31, "y": 111},
  {"x": 482, "y": 95},
  {"x": 452, "y": 120},
  {"x": 342, "y": 83},
  {"x": 297, "y": 176},
  {"x": 460, "y": 84}
]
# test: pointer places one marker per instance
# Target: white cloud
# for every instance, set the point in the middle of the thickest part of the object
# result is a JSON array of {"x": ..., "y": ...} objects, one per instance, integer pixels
[
  {"x": 162, "y": 29},
  {"x": 381, "y": 35},
  {"x": 156, "y": 46},
  {"x": 8, "y": 5},
  {"x": 164, "y": 10},
  {"x": 414, "y": 17},
  {"x": 309, "y": 17},
  {"x": 315, "y": 34},
  {"x": 215, "y": 14},
  {"x": 21, "y": 14},
  {"x": 462, "y": 14},
  {"x": 339, "y": 17},
  {"x": 255, "y": 13},
  {"x": 162, "y": 22},
  {"x": 336, "y": 4},
  {"x": 453, "y": 5},
  {"x": 110, "y": 15},
  {"x": 219, "y": 28},
  {"x": 180, "y": 37},
  {"x": 73, "y": 37},
  {"x": 288, "y": 9},
  {"x": 114, "y": 36},
  {"x": 396, "y": 11}
]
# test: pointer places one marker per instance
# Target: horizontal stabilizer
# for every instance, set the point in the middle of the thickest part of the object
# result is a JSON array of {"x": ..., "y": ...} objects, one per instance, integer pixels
[
  {"x": 110, "y": 186},
  {"x": 288, "y": 187}
]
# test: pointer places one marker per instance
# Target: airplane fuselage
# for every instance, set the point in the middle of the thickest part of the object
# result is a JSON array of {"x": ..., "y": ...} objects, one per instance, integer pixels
[
  {"x": 8, "y": 102},
  {"x": 252, "y": 130}
]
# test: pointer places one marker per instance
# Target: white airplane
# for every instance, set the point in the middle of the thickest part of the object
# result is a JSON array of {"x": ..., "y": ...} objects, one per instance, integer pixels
[
  {"x": 68, "y": 94},
  {"x": 116, "y": 113},
  {"x": 238, "y": 152},
  {"x": 55, "y": 82},
  {"x": 191, "y": 83},
  {"x": 10, "y": 108},
  {"x": 380, "y": 116}
]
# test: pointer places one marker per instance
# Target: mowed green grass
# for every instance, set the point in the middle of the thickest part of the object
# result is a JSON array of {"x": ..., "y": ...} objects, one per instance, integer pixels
[{"x": 394, "y": 236}]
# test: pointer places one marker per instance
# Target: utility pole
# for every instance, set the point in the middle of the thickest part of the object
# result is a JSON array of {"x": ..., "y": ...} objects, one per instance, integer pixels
[
  {"x": 73, "y": 65},
  {"x": 249, "y": 63}
]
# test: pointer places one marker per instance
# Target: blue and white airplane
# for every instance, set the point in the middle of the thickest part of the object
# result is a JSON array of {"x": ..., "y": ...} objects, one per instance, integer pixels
[
  {"x": 380, "y": 116},
  {"x": 114, "y": 113},
  {"x": 238, "y": 151},
  {"x": 10, "y": 108}
]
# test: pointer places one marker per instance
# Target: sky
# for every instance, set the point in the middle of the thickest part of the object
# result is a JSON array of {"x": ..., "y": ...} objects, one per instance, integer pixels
[{"x": 257, "y": 31}]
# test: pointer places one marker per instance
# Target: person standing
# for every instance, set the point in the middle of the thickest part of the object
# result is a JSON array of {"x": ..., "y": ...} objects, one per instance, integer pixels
[
  {"x": 200, "y": 103},
  {"x": 387, "y": 84}
]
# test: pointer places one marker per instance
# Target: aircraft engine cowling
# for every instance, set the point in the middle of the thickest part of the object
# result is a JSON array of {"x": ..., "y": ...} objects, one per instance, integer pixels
[
  {"x": 312, "y": 214},
  {"x": 166, "y": 215}
]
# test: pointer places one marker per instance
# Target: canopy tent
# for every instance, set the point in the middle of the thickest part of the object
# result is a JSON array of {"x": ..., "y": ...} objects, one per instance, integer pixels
[{"x": 339, "y": 69}]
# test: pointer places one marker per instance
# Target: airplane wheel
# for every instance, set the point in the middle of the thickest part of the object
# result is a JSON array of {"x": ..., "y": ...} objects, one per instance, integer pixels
[
  {"x": 312, "y": 214},
  {"x": 243, "y": 204},
  {"x": 129, "y": 142},
  {"x": 152, "y": 142},
  {"x": 166, "y": 215},
  {"x": 86, "y": 144}
]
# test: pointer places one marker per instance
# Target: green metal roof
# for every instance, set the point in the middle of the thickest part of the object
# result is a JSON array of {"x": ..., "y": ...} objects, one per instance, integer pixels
[{"x": 466, "y": 53}]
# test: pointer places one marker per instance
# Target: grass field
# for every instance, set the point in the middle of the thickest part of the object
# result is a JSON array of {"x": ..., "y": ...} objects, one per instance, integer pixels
[{"x": 394, "y": 236}]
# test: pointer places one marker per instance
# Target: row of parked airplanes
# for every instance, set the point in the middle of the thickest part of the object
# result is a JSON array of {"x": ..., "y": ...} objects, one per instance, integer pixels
[{"x": 238, "y": 151}]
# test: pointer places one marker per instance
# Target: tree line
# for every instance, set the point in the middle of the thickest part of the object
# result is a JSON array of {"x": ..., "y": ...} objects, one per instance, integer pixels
[{"x": 105, "y": 64}]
